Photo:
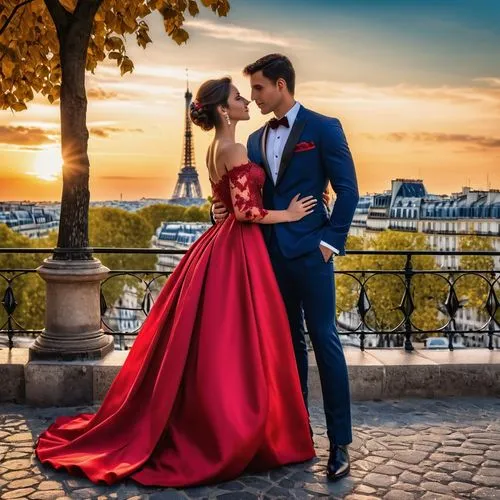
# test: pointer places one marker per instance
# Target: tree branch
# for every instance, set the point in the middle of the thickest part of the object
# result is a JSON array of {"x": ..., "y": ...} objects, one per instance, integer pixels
[
  {"x": 12, "y": 14},
  {"x": 58, "y": 13}
]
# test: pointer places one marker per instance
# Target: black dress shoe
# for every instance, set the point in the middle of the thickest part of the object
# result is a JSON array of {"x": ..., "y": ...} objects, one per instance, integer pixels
[{"x": 338, "y": 463}]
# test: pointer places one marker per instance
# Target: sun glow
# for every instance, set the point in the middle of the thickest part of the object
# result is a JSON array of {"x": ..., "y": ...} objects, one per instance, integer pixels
[{"x": 48, "y": 164}]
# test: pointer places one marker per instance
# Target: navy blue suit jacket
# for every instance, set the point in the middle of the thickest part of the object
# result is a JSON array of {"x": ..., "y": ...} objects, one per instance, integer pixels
[{"x": 325, "y": 159}]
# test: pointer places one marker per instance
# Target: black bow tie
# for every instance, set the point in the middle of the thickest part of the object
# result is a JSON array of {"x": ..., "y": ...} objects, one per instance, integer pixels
[{"x": 275, "y": 123}]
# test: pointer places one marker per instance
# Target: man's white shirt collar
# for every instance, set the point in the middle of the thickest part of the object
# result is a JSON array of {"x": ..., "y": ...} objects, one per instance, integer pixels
[{"x": 292, "y": 113}]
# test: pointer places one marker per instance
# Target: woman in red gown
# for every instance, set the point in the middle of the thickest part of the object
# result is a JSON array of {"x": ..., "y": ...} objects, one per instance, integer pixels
[{"x": 210, "y": 387}]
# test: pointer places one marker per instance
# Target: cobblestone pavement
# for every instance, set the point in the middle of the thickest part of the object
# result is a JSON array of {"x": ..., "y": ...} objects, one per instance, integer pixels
[{"x": 429, "y": 449}]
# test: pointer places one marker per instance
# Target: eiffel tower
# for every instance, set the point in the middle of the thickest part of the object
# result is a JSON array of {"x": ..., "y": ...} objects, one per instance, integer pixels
[{"x": 188, "y": 190}]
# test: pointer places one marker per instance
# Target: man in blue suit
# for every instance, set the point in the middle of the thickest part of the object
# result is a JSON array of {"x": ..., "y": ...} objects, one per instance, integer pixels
[{"x": 301, "y": 152}]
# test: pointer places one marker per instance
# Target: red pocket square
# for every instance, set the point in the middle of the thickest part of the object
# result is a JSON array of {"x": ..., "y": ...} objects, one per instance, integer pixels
[{"x": 304, "y": 146}]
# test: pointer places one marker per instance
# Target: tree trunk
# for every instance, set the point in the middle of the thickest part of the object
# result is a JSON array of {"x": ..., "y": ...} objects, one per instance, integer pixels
[{"x": 74, "y": 30}]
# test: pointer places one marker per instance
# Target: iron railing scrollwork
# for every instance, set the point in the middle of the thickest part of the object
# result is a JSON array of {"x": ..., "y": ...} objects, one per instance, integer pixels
[{"x": 429, "y": 301}]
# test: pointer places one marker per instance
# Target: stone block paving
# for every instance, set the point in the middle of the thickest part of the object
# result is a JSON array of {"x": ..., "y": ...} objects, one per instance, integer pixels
[{"x": 402, "y": 450}]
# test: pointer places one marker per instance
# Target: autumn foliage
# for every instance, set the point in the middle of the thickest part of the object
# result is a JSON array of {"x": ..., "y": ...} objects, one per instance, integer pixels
[
  {"x": 29, "y": 45},
  {"x": 46, "y": 46}
]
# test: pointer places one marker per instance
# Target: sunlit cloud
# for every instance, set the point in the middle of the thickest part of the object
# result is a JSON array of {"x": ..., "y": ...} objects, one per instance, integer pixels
[
  {"x": 158, "y": 82},
  {"x": 177, "y": 73},
  {"x": 26, "y": 148},
  {"x": 486, "y": 142},
  {"x": 102, "y": 123},
  {"x": 361, "y": 92},
  {"x": 100, "y": 94},
  {"x": 129, "y": 178},
  {"x": 135, "y": 88},
  {"x": 108, "y": 74},
  {"x": 25, "y": 136},
  {"x": 242, "y": 35},
  {"x": 43, "y": 125},
  {"x": 29, "y": 136},
  {"x": 490, "y": 80},
  {"x": 104, "y": 132}
]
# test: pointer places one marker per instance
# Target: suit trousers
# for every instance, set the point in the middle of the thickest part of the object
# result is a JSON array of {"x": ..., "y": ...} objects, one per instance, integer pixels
[{"x": 308, "y": 289}]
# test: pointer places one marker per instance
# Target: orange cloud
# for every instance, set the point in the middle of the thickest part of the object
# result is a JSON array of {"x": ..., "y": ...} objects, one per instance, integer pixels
[
  {"x": 107, "y": 131},
  {"x": 360, "y": 92},
  {"x": 100, "y": 94},
  {"x": 431, "y": 137},
  {"x": 25, "y": 136}
]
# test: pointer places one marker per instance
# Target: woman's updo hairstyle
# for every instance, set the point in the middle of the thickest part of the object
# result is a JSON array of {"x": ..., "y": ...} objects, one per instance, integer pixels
[{"x": 212, "y": 93}]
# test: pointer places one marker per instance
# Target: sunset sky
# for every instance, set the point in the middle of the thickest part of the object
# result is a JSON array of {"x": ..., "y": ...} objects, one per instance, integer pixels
[{"x": 416, "y": 85}]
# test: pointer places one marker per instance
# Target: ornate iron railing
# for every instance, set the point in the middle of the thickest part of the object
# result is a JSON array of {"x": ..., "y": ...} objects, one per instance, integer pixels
[{"x": 376, "y": 307}]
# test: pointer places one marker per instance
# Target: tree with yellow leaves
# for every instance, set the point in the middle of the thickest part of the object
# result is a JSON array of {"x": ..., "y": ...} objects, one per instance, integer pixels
[
  {"x": 473, "y": 289},
  {"x": 47, "y": 45},
  {"x": 386, "y": 291}
]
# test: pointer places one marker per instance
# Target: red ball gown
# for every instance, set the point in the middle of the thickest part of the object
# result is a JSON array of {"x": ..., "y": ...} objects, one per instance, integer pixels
[{"x": 210, "y": 387}]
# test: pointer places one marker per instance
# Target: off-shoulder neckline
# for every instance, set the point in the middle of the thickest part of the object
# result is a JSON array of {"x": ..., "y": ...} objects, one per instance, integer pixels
[{"x": 243, "y": 165}]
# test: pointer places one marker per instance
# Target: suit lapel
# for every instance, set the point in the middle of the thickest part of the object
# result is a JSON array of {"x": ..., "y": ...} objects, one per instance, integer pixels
[
  {"x": 293, "y": 138},
  {"x": 263, "y": 142}
]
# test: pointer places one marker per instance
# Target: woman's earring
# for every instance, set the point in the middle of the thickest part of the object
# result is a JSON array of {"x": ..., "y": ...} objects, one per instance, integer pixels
[{"x": 227, "y": 118}]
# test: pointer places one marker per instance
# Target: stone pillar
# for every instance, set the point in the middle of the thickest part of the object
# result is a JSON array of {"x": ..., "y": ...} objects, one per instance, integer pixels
[{"x": 73, "y": 314}]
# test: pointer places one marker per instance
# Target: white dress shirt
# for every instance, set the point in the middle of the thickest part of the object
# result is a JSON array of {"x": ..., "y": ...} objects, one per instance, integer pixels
[
  {"x": 276, "y": 140},
  {"x": 275, "y": 144}
]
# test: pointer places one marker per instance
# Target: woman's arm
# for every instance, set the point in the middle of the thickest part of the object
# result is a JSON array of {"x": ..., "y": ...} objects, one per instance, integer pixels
[{"x": 247, "y": 201}]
